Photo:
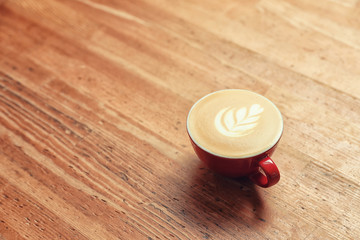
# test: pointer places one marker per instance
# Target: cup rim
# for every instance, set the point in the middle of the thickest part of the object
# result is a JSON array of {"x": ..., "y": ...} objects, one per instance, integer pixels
[{"x": 234, "y": 157}]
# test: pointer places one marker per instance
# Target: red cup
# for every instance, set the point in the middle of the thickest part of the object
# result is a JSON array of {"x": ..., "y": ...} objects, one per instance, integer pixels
[{"x": 259, "y": 168}]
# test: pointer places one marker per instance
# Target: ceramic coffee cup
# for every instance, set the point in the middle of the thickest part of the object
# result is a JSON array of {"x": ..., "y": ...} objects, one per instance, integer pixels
[{"x": 235, "y": 132}]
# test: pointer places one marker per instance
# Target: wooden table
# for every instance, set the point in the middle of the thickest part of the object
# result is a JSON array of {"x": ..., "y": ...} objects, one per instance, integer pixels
[{"x": 94, "y": 96}]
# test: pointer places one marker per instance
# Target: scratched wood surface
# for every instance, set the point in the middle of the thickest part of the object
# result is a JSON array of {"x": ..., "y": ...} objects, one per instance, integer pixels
[{"x": 93, "y": 101}]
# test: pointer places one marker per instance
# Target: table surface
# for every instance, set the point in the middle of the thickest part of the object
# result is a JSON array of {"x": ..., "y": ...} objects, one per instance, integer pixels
[{"x": 94, "y": 96}]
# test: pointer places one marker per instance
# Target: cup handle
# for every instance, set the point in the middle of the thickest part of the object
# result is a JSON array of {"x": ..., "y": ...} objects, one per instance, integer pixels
[{"x": 272, "y": 174}]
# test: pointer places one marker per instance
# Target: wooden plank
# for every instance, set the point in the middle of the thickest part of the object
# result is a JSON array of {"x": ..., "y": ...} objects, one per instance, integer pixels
[
  {"x": 260, "y": 35},
  {"x": 93, "y": 103}
]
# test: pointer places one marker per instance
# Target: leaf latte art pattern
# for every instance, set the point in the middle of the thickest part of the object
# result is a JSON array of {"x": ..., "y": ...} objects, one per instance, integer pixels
[{"x": 237, "y": 122}]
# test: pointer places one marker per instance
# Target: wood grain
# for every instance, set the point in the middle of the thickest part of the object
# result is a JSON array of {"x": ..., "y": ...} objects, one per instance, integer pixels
[{"x": 93, "y": 102}]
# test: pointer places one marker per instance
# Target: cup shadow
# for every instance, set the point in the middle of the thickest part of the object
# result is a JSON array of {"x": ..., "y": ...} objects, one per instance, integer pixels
[{"x": 220, "y": 200}]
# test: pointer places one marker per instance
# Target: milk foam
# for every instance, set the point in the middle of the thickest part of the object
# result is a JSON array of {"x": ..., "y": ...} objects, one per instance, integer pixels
[{"x": 235, "y": 123}]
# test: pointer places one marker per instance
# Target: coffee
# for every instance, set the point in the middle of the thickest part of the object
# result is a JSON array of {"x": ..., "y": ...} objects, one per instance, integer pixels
[{"x": 235, "y": 123}]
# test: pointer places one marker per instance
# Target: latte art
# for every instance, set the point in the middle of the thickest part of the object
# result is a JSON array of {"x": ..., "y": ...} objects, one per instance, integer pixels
[{"x": 235, "y": 123}]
